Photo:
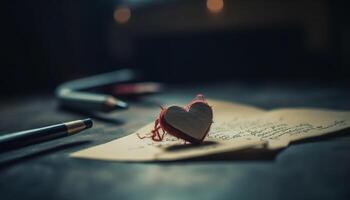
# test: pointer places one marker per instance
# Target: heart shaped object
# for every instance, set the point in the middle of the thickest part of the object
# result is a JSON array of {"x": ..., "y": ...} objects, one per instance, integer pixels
[{"x": 191, "y": 125}]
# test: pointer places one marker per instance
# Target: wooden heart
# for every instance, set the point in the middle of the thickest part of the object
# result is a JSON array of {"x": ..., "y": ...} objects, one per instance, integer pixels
[{"x": 192, "y": 125}]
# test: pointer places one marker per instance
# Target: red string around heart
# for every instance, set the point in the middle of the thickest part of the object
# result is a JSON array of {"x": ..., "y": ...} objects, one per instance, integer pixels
[{"x": 160, "y": 124}]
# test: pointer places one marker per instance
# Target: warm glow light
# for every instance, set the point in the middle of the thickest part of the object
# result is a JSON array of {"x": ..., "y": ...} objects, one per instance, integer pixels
[
  {"x": 122, "y": 14},
  {"x": 215, "y": 6}
]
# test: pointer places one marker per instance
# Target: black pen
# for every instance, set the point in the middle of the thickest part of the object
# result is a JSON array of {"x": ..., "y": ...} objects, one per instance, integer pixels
[{"x": 33, "y": 136}]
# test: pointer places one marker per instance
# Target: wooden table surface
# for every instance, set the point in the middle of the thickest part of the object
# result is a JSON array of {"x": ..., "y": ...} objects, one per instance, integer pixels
[{"x": 317, "y": 169}]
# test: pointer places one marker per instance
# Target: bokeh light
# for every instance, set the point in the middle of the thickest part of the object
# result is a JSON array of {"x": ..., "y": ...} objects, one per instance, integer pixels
[
  {"x": 122, "y": 14},
  {"x": 215, "y": 6}
]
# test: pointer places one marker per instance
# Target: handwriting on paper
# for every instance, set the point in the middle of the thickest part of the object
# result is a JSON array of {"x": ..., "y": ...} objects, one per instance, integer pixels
[{"x": 266, "y": 130}]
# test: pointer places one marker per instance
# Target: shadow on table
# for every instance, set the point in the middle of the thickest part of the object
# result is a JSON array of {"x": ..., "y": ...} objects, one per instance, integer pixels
[
  {"x": 335, "y": 135},
  {"x": 252, "y": 154},
  {"x": 141, "y": 101},
  {"x": 103, "y": 117},
  {"x": 19, "y": 159}
]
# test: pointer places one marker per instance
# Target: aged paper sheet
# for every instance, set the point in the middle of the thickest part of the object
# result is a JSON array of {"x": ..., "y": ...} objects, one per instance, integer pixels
[{"x": 235, "y": 127}]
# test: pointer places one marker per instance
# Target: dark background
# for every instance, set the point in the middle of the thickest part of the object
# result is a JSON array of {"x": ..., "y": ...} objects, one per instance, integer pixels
[
  {"x": 266, "y": 53},
  {"x": 46, "y": 42}
]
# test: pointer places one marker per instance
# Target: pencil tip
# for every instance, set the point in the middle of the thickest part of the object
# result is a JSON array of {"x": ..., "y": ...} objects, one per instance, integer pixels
[
  {"x": 116, "y": 103},
  {"x": 122, "y": 105}
]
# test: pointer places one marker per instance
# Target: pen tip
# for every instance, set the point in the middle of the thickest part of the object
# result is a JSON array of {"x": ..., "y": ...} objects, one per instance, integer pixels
[{"x": 88, "y": 122}]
